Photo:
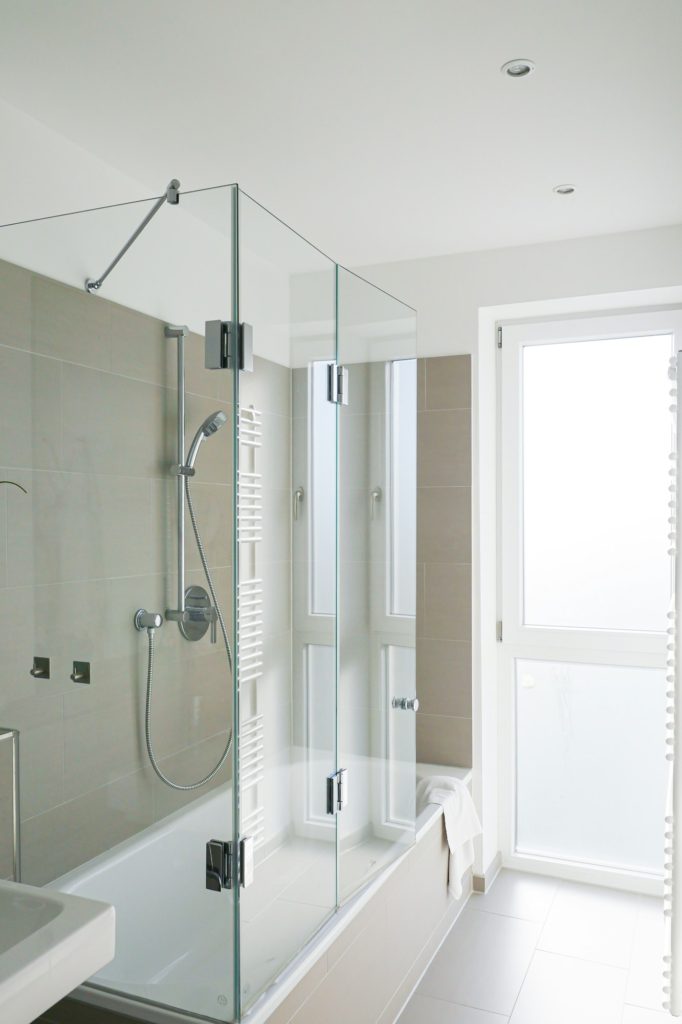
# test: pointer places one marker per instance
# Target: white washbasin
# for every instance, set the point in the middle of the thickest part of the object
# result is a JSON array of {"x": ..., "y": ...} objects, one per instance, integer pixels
[{"x": 49, "y": 944}]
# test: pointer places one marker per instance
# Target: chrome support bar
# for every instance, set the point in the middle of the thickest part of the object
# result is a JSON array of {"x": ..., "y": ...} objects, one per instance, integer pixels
[
  {"x": 172, "y": 196},
  {"x": 12, "y": 735}
]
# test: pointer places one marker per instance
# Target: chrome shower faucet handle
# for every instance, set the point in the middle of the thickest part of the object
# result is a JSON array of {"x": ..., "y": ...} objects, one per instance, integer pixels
[{"x": 147, "y": 620}]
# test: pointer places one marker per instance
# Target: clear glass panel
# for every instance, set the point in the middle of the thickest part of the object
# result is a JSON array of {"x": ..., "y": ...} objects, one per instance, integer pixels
[
  {"x": 591, "y": 777},
  {"x": 288, "y": 650},
  {"x": 596, "y": 435},
  {"x": 377, "y": 567},
  {"x": 89, "y": 399}
]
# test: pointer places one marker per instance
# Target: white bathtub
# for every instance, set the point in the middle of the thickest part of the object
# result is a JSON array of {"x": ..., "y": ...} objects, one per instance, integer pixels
[{"x": 174, "y": 938}]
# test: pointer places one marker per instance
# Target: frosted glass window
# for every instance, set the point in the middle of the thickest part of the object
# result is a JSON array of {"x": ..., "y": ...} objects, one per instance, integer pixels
[
  {"x": 591, "y": 776},
  {"x": 402, "y": 410},
  {"x": 322, "y": 488},
  {"x": 400, "y": 681},
  {"x": 596, "y": 438}
]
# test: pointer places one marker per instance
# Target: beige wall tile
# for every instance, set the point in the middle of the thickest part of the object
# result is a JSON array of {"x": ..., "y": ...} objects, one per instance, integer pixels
[
  {"x": 139, "y": 347},
  {"x": 100, "y": 748},
  {"x": 444, "y": 677},
  {"x": 30, "y": 397},
  {"x": 15, "y": 306},
  {"x": 268, "y": 388},
  {"x": 295, "y": 1000},
  {"x": 447, "y": 603},
  {"x": 444, "y": 740},
  {"x": 213, "y": 507},
  {"x": 116, "y": 425},
  {"x": 444, "y": 524},
  {"x": 448, "y": 382},
  {"x": 73, "y": 832},
  {"x": 356, "y": 987},
  {"x": 211, "y": 383},
  {"x": 79, "y": 526},
  {"x": 70, "y": 324},
  {"x": 444, "y": 448},
  {"x": 186, "y": 766}
]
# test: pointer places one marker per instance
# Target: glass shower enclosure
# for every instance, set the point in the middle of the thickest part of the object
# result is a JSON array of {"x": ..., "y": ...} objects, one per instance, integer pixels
[{"x": 208, "y": 585}]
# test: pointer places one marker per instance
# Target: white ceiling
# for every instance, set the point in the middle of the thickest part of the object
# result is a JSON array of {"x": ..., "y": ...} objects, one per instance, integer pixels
[{"x": 381, "y": 129}]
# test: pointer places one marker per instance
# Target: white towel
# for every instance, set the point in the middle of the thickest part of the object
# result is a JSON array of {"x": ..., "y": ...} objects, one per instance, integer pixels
[{"x": 461, "y": 823}]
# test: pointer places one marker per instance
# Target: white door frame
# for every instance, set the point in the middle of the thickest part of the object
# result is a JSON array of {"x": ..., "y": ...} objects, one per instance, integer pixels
[{"x": 488, "y": 759}]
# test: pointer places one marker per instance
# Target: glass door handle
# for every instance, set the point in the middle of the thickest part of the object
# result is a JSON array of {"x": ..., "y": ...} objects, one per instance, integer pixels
[{"x": 405, "y": 703}]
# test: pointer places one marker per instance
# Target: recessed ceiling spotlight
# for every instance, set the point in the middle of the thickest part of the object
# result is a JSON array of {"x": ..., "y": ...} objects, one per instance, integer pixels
[
  {"x": 519, "y": 68},
  {"x": 564, "y": 190}
]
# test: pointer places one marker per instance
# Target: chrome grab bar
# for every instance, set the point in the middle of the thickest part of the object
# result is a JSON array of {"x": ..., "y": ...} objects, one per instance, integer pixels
[{"x": 13, "y": 736}]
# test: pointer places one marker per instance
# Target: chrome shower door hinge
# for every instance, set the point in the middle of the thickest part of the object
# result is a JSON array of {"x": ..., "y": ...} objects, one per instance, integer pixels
[
  {"x": 227, "y": 861},
  {"x": 337, "y": 791},
  {"x": 221, "y": 352},
  {"x": 337, "y": 384}
]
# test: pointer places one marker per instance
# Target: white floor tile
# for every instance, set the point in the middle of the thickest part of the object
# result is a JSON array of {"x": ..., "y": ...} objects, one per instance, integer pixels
[
  {"x": 591, "y": 923},
  {"x": 425, "y": 1010},
  {"x": 641, "y": 1015},
  {"x": 483, "y": 962},
  {"x": 645, "y": 978},
  {"x": 517, "y": 894},
  {"x": 563, "y": 990}
]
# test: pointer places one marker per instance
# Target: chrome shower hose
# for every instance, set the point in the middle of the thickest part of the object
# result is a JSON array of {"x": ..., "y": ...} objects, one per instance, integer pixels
[{"x": 150, "y": 667}]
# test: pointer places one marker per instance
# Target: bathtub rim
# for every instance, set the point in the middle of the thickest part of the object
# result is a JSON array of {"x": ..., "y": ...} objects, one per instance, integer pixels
[{"x": 258, "y": 1013}]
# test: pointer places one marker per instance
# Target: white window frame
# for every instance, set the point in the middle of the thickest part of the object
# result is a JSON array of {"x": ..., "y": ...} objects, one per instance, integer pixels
[{"x": 597, "y": 646}]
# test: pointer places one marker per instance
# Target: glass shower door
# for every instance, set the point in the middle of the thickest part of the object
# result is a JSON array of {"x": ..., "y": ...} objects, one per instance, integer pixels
[
  {"x": 287, "y": 594},
  {"x": 91, "y": 417},
  {"x": 377, "y": 579}
]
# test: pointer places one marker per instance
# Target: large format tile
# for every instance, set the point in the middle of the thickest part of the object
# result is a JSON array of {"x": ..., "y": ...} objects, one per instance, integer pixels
[
  {"x": 483, "y": 962},
  {"x": 15, "y": 306},
  {"x": 447, "y": 602},
  {"x": 442, "y": 739},
  {"x": 444, "y": 448},
  {"x": 444, "y": 524},
  {"x": 70, "y": 324},
  {"x": 444, "y": 677},
  {"x": 139, "y": 347},
  {"x": 447, "y": 382},
  {"x": 641, "y": 1015},
  {"x": 517, "y": 894},
  {"x": 645, "y": 978},
  {"x": 79, "y": 526},
  {"x": 30, "y": 399},
  {"x": 563, "y": 990},
  {"x": 591, "y": 923},
  {"x": 425, "y": 1010},
  {"x": 114, "y": 424}
]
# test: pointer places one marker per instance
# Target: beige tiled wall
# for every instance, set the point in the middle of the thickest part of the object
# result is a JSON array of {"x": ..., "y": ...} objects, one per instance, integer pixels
[
  {"x": 444, "y": 561},
  {"x": 87, "y": 393}
]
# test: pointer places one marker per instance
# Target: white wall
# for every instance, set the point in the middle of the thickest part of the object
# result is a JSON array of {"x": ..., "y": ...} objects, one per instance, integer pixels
[{"x": 448, "y": 291}]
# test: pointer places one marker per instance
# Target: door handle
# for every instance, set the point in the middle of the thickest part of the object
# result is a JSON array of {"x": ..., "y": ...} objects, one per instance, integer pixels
[{"x": 405, "y": 703}]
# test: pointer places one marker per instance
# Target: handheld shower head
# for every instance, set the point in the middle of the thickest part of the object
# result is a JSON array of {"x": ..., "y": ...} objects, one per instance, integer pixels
[{"x": 210, "y": 426}]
